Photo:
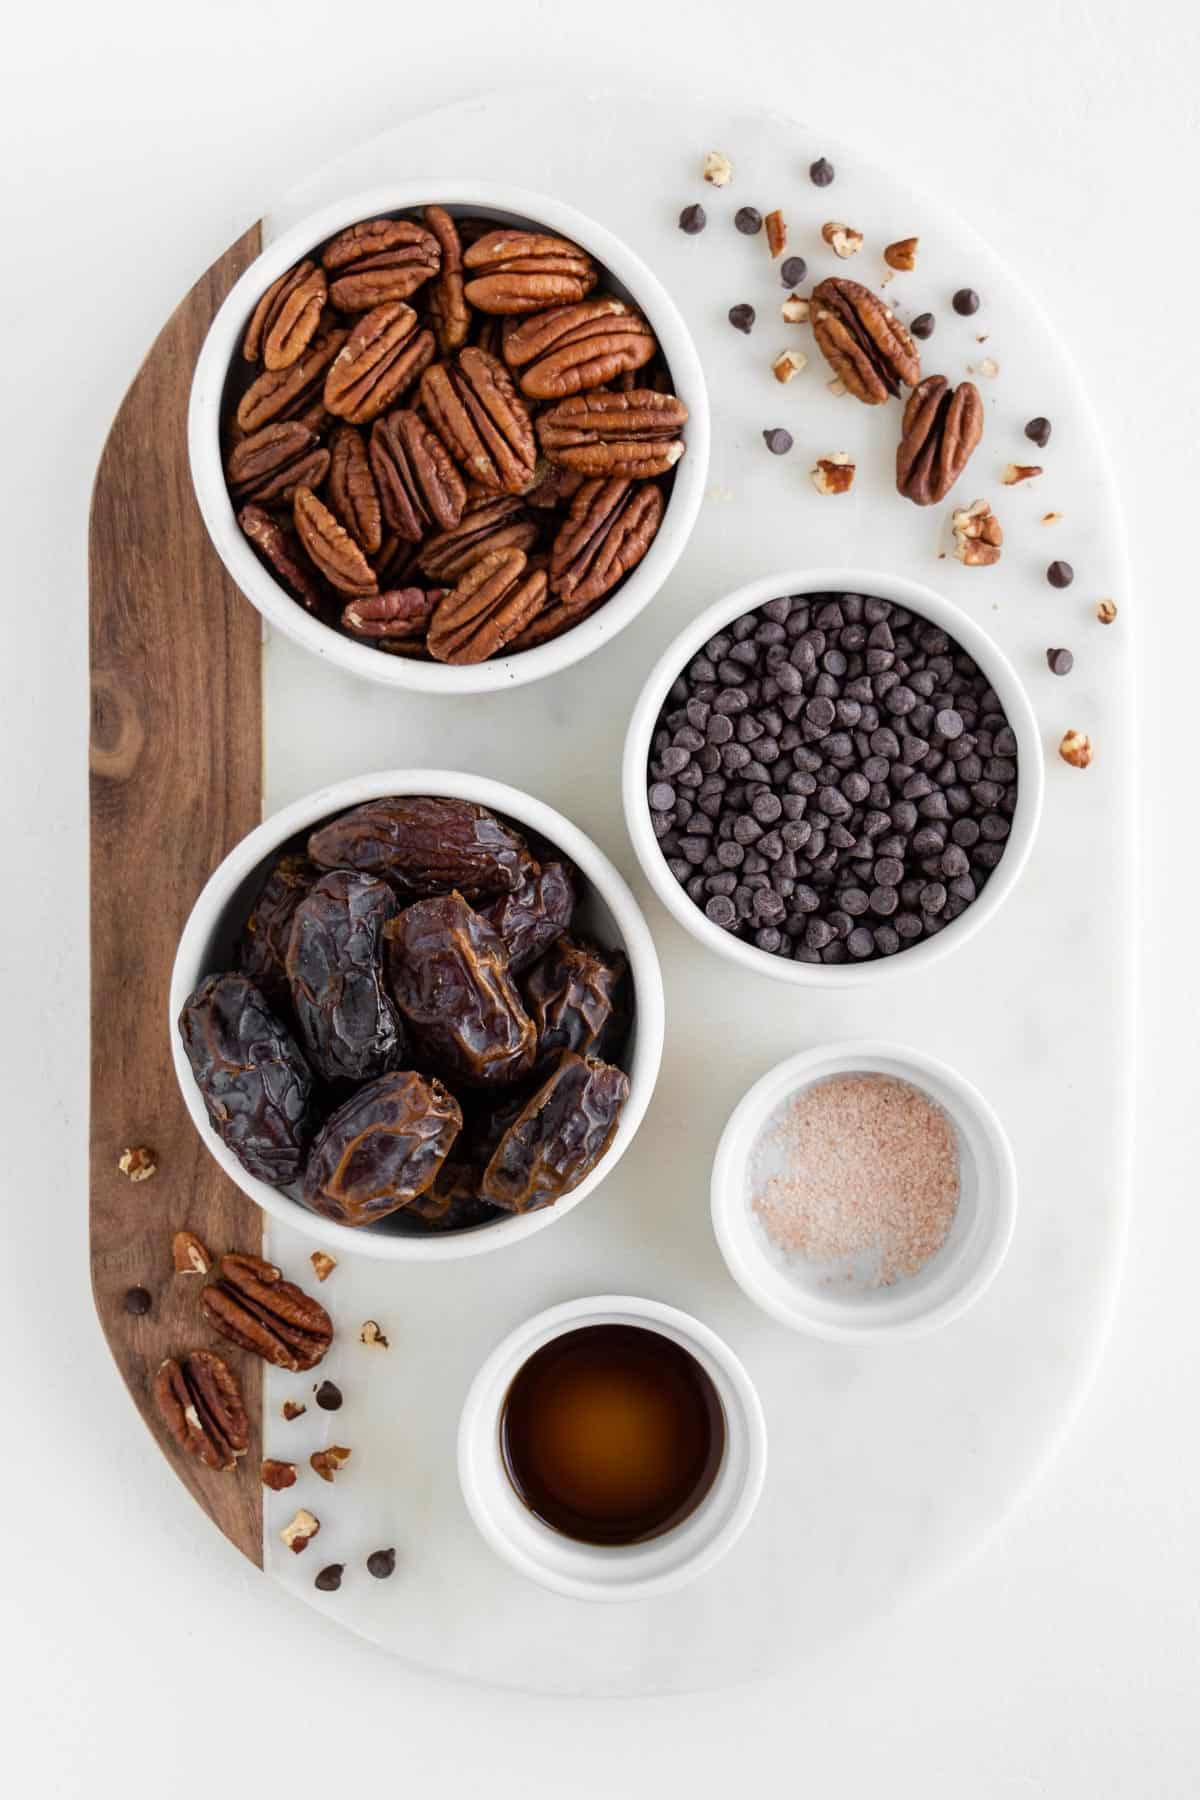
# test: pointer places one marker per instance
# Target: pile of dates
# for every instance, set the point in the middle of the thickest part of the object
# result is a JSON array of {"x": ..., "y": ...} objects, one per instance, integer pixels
[
  {"x": 412, "y": 1030},
  {"x": 445, "y": 439}
]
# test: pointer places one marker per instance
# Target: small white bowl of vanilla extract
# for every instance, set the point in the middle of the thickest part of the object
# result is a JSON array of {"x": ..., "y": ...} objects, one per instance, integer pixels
[{"x": 612, "y": 1448}]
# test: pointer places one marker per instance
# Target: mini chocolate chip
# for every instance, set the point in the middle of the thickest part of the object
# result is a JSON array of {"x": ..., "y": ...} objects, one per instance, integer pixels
[
  {"x": 742, "y": 318},
  {"x": 330, "y": 1578},
  {"x": 137, "y": 1302},
  {"x": 860, "y": 943},
  {"x": 693, "y": 219},
  {"x": 722, "y": 912},
  {"x": 1038, "y": 432},
  {"x": 661, "y": 796},
  {"x": 748, "y": 220},
  {"x": 1060, "y": 574},
  {"x": 923, "y": 326},
  {"x": 381, "y": 1564},
  {"x": 966, "y": 302},
  {"x": 778, "y": 441},
  {"x": 329, "y": 1396},
  {"x": 1060, "y": 662},
  {"x": 949, "y": 722},
  {"x": 792, "y": 271},
  {"x": 821, "y": 172}
]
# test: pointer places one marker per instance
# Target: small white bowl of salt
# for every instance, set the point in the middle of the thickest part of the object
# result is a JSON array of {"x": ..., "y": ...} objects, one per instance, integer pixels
[{"x": 864, "y": 1191}]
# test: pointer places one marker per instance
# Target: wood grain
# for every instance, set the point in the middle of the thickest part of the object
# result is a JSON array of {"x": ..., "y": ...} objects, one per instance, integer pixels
[{"x": 176, "y": 756}]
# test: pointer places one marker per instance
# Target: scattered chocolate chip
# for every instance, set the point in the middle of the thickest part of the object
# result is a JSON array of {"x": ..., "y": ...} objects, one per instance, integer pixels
[
  {"x": 742, "y": 318},
  {"x": 1038, "y": 432},
  {"x": 792, "y": 271},
  {"x": 748, "y": 220},
  {"x": 923, "y": 326},
  {"x": 778, "y": 442},
  {"x": 329, "y": 1396},
  {"x": 966, "y": 302},
  {"x": 137, "y": 1302},
  {"x": 1060, "y": 662},
  {"x": 330, "y": 1578},
  {"x": 1060, "y": 574},
  {"x": 821, "y": 172},
  {"x": 381, "y": 1564},
  {"x": 693, "y": 219}
]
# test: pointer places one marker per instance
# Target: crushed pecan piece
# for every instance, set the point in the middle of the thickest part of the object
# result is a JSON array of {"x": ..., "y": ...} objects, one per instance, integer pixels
[
  {"x": 200, "y": 1403},
  {"x": 572, "y": 348},
  {"x": 479, "y": 416},
  {"x": 189, "y": 1255},
  {"x": 902, "y": 255},
  {"x": 843, "y": 240},
  {"x": 1106, "y": 611},
  {"x": 293, "y": 1409},
  {"x": 941, "y": 428},
  {"x": 833, "y": 474},
  {"x": 330, "y": 547},
  {"x": 977, "y": 535},
  {"x": 525, "y": 271},
  {"x": 271, "y": 464},
  {"x": 492, "y": 604},
  {"x": 1076, "y": 749},
  {"x": 1016, "y": 472},
  {"x": 718, "y": 170},
  {"x": 371, "y": 1332},
  {"x": 776, "y": 226},
  {"x": 323, "y": 1264},
  {"x": 278, "y": 1475},
  {"x": 382, "y": 357},
  {"x": 606, "y": 533},
  {"x": 278, "y": 550},
  {"x": 377, "y": 261},
  {"x": 139, "y": 1163},
  {"x": 285, "y": 321},
  {"x": 795, "y": 310},
  {"x": 300, "y": 1531},
  {"x": 251, "y": 1304},
  {"x": 328, "y": 1463},
  {"x": 419, "y": 486},
  {"x": 867, "y": 348},
  {"x": 788, "y": 364},
  {"x": 613, "y": 435}
]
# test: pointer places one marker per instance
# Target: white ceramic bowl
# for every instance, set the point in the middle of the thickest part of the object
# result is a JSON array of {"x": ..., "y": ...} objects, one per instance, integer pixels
[
  {"x": 628, "y": 274},
  {"x": 917, "y": 599},
  {"x": 609, "y": 914},
  {"x": 627, "y": 1571},
  {"x": 949, "y": 1282}
]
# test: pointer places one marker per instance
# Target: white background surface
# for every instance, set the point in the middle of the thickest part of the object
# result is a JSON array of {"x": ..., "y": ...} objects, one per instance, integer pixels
[{"x": 139, "y": 142}]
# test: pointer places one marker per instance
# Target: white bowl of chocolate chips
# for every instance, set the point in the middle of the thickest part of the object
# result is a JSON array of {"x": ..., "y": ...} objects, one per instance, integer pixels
[{"x": 832, "y": 775}]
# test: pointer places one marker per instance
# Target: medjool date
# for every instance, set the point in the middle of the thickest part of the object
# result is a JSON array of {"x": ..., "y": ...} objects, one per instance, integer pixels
[
  {"x": 253, "y": 1078},
  {"x": 263, "y": 957},
  {"x": 348, "y": 1024},
  {"x": 558, "y": 1137},
  {"x": 448, "y": 972},
  {"x": 381, "y": 1149},
  {"x": 572, "y": 998},
  {"x": 424, "y": 845},
  {"x": 536, "y": 912}
]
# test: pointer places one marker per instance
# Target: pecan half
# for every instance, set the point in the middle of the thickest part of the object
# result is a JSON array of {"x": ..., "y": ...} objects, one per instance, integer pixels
[
  {"x": 401, "y": 613},
  {"x": 448, "y": 309},
  {"x": 551, "y": 622},
  {"x": 868, "y": 349},
  {"x": 285, "y": 321},
  {"x": 251, "y": 1304},
  {"x": 495, "y": 600},
  {"x": 615, "y": 434},
  {"x": 331, "y": 548},
  {"x": 383, "y": 355},
  {"x": 293, "y": 393},
  {"x": 419, "y": 486},
  {"x": 352, "y": 493},
  {"x": 482, "y": 420},
  {"x": 379, "y": 260},
  {"x": 200, "y": 1403},
  {"x": 571, "y": 348},
  {"x": 278, "y": 550},
  {"x": 396, "y": 563},
  {"x": 942, "y": 426},
  {"x": 608, "y": 530},
  {"x": 526, "y": 271},
  {"x": 492, "y": 522},
  {"x": 272, "y": 463}
]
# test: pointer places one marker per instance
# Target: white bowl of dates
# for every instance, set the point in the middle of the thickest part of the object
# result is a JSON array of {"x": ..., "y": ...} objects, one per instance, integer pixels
[
  {"x": 438, "y": 436},
  {"x": 417, "y": 1015},
  {"x": 831, "y": 776}
]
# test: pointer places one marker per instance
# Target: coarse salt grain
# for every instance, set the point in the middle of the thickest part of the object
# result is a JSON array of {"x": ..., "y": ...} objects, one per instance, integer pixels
[{"x": 858, "y": 1174}]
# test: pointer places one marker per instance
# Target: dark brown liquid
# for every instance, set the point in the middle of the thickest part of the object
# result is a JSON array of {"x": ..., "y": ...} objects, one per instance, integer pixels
[{"x": 612, "y": 1434}]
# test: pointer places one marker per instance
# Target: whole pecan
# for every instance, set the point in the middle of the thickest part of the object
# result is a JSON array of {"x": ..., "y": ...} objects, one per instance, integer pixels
[
  {"x": 864, "y": 344},
  {"x": 571, "y": 348},
  {"x": 379, "y": 260},
  {"x": 280, "y": 552},
  {"x": 200, "y": 1403},
  {"x": 294, "y": 393},
  {"x": 272, "y": 463},
  {"x": 401, "y": 614},
  {"x": 330, "y": 547},
  {"x": 419, "y": 486},
  {"x": 482, "y": 420},
  {"x": 525, "y": 271},
  {"x": 448, "y": 307},
  {"x": 942, "y": 426},
  {"x": 495, "y": 600},
  {"x": 285, "y": 321},
  {"x": 352, "y": 493},
  {"x": 250, "y": 1303},
  {"x": 615, "y": 434},
  {"x": 492, "y": 522},
  {"x": 608, "y": 530},
  {"x": 383, "y": 355}
]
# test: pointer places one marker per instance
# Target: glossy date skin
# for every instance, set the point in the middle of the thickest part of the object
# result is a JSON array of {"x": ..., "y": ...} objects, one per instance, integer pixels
[
  {"x": 572, "y": 998},
  {"x": 535, "y": 914},
  {"x": 252, "y": 1075},
  {"x": 558, "y": 1137},
  {"x": 424, "y": 845},
  {"x": 448, "y": 973},
  {"x": 263, "y": 956},
  {"x": 348, "y": 1024},
  {"x": 382, "y": 1149}
]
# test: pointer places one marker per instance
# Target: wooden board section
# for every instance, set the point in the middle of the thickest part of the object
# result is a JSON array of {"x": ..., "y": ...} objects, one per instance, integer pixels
[{"x": 176, "y": 754}]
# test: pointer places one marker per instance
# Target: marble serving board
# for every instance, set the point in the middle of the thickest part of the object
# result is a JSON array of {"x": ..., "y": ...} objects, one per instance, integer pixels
[{"x": 888, "y": 1465}]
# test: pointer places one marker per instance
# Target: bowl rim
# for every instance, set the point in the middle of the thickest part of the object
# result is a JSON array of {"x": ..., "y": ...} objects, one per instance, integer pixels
[
  {"x": 277, "y": 607},
  {"x": 207, "y": 910},
  {"x": 919, "y": 599},
  {"x": 732, "y": 1226},
  {"x": 478, "y": 1436}
]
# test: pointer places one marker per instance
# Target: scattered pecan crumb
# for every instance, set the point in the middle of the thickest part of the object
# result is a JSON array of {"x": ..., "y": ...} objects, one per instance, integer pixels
[
  {"x": 1076, "y": 749},
  {"x": 1106, "y": 611},
  {"x": 989, "y": 368},
  {"x": 789, "y": 363},
  {"x": 776, "y": 226},
  {"x": 292, "y": 1409},
  {"x": 299, "y": 1532},
  {"x": 323, "y": 1264},
  {"x": 139, "y": 1163},
  {"x": 718, "y": 169},
  {"x": 1051, "y": 518},
  {"x": 977, "y": 535},
  {"x": 902, "y": 255},
  {"x": 834, "y": 474},
  {"x": 843, "y": 240},
  {"x": 189, "y": 1255},
  {"x": 278, "y": 1475},
  {"x": 372, "y": 1333},
  {"x": 1015, "y": 472},
  {"x": 795, "y": 310},
  {"x": 327, "y": 1463},
  {"x": 837, "y": 386}
]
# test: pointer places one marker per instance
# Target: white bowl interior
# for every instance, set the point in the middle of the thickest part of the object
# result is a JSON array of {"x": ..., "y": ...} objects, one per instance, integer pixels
[
  {"x": 626, "y": 274},
  {"x": 795, "y": 1291},
  {"x": 608, "y": 913},
  {"x": 613, "y": 1572}
]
